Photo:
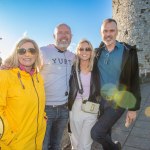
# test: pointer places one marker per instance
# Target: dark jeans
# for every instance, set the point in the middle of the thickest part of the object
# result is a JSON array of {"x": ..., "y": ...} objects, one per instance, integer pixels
[
  {"x": 101, "y": 131},
  {"x": 56, "y": 123}
]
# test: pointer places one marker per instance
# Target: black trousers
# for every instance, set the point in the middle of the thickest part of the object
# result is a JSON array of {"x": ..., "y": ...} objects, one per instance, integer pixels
[{"x": 101, "y": 131}]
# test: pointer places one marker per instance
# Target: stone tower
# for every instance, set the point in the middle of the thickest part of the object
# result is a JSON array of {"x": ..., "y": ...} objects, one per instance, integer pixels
[{"x": 133, "y": 17}]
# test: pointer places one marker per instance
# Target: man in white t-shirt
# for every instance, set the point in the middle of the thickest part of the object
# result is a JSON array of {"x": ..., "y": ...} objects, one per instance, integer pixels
[{"x": 56, "y": 72}]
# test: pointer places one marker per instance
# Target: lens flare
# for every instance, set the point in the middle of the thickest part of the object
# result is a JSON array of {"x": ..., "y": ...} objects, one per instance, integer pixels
[
  {"x": 121, "y": 97},
  {"x": 108, "y": 90},
  {"x": 125, "y": 99},
  {"x": 147, "y": 111}
]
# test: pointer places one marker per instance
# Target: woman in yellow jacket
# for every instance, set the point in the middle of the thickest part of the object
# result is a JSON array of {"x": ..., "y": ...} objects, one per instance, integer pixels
[{"x": 22, "y": 100}]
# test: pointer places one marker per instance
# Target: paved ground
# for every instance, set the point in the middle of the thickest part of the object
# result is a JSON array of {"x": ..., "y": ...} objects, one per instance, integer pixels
[{"x": 137, "y": 136}]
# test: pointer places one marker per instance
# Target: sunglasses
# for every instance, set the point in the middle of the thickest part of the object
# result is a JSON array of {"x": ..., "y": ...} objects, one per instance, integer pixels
[
  {"x": 87, "y": 49},
  {"x": 22, "y": 51}
]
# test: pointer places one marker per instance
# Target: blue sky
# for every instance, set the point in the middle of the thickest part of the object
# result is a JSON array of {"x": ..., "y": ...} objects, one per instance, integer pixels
[{"x": 38, "y": 18}]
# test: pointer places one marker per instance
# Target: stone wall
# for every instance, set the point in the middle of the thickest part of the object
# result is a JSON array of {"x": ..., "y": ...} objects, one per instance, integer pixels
[{"x": 133, "y": 17}]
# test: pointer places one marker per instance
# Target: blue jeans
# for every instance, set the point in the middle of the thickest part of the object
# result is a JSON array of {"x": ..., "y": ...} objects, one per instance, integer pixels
[
  {"x": 56, "y": 123},
  {"x": 101, "y": 131}
]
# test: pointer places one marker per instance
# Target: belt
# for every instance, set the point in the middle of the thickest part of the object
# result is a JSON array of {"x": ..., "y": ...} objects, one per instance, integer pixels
[{"x": 55, "y": 106}]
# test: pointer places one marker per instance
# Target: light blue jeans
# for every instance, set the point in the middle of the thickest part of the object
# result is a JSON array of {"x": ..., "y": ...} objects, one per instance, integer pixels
[{"x": 56, "y": 123}]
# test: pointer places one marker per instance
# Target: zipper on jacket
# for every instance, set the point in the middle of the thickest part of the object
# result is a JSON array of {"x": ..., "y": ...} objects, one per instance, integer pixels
[
  {"x": 19, "y": 77},
  {"x": 38, "y": 111}
]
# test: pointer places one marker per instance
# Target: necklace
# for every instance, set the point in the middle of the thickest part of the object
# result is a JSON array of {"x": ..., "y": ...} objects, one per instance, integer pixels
[{"x": 106, "y": 60}]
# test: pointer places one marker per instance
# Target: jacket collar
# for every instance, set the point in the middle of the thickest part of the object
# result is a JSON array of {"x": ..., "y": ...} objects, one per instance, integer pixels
[
  {"x": 23, "y": 68},
  {"x": 23, "y": 73},
  {"x": 127, "y": 49}
]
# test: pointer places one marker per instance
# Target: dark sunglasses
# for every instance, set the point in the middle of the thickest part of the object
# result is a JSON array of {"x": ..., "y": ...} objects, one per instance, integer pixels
[
  {"x": 22, "y": 51},
  {"x": 87, "y": 49}
]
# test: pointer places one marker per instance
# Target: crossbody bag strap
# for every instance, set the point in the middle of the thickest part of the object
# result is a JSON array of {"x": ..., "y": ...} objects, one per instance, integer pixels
[{"x": 79, "y": 83}]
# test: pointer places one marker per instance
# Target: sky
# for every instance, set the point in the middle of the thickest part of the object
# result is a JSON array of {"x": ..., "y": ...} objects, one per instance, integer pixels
[{"x": 37, "y": 19}]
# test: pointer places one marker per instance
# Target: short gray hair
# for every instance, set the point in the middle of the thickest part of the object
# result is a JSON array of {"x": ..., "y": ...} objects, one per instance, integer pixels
[{"x": 61, "y": 24}]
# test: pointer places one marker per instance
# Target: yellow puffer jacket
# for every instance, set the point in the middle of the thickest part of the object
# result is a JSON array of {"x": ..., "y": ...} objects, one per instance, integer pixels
[{"x": 22, "y": 103}]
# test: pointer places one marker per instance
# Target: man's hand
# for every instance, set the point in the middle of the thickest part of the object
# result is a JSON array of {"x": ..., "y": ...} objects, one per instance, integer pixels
[
  {"x": 130, "y": 117},
  {"x": 5, "y": 67}
]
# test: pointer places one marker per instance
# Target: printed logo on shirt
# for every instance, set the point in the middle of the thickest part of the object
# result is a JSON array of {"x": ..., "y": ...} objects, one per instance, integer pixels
[{"x": 61, "y": 61}]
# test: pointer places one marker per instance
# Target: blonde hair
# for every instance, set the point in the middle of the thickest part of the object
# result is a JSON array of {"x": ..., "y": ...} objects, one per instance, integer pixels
[
  {"x": 12, "y": 60},
  {"x": 77, "y": 60}
]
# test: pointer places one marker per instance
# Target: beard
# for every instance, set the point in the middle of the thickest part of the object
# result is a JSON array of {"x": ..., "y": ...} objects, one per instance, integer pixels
[
  {"x": 62, "y": 45},
  {"x": 110, "y": 42}
]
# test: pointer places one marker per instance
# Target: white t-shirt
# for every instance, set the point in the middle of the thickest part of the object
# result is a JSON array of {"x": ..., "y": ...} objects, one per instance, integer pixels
[{"x": 56, "y": 73}]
